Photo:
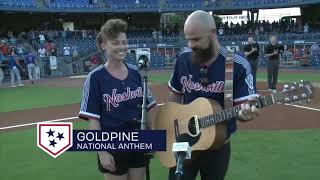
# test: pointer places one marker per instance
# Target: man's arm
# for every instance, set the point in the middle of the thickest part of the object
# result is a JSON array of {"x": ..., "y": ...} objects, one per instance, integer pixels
[
  {"x": 248, "y": 52},
  {"x": 268, "y": 53},
  {"x": 174, "y": 97}
]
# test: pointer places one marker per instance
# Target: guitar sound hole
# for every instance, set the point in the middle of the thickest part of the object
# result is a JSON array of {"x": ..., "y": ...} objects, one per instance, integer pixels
[{"x": 192, "y": 127}]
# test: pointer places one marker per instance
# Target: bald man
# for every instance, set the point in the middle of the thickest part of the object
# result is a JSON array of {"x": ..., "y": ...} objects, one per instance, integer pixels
[
  {"x": 251, "y": 51},
  {"x": 199, "y": 72}
]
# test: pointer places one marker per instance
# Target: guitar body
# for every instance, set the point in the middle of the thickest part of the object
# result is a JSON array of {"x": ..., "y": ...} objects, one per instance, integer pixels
[{"x": 174, "y": 118}]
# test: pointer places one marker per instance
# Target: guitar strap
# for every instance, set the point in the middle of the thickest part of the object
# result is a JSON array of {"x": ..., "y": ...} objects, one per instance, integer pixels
[{"x": 228, "y": 83}]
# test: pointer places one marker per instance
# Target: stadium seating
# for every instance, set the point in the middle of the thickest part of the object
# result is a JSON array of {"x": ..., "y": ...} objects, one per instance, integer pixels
[
  {"x": 18, "y": 3},
  {"x": 71, "y": 4},
  {"x": 146, "y": 4}
]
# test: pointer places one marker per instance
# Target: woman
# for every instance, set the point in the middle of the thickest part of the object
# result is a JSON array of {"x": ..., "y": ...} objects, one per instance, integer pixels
[{"x": 103, "y": 107}]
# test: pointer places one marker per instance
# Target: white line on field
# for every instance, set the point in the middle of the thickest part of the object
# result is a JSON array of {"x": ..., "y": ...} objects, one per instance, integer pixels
[
  {"x": 29, "y": 124},
  {"x": 69, "y": 118},
  {"x": 304, "y": 107}
]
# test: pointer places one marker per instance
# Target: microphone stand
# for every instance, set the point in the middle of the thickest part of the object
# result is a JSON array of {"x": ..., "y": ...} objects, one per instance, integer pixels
[
  {"x": 147, "y": 155},
  {"x": 179, "y": 169}
]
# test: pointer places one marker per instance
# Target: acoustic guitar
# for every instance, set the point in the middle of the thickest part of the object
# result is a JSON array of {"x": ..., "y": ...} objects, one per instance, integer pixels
[{"x": 202, "y": 122}]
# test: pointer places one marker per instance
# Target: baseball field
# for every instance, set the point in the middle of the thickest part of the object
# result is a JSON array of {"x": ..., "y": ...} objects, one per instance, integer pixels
[{"x": 282, "y": 143}]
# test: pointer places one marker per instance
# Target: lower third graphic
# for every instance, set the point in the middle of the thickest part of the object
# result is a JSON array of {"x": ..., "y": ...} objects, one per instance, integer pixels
[{"x": 54, "y": 138}]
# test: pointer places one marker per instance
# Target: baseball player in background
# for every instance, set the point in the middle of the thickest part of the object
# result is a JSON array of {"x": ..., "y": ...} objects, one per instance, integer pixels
[
  {"x": 31, "y": 65},
  {"x": 106, "y": 111}
]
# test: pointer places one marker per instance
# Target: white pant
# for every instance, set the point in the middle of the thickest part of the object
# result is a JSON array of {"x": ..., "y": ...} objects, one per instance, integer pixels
[
  {"x": 32, "y": 71},
  {"x": 1, "y": 76},
  {"x": 15, "y": 72}
]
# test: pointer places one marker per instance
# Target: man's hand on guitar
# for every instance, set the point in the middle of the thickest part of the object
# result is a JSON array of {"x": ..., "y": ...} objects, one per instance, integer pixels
[{"x": 247, "y": 112}]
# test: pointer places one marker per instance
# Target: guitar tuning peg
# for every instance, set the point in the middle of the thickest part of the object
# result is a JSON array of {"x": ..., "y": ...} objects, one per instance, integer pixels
[
  {"x": 294, "y": 83},
  {"x": 295, "y": 97},
  {"x": 293, "y": 88},
  {"x": 304, "y": 95},
  {"x": 301, "y": 85},
  {"x": 285, "y": 90},
  {"x": 302, "y": 81},
  {"x": 285, "y": 86}
]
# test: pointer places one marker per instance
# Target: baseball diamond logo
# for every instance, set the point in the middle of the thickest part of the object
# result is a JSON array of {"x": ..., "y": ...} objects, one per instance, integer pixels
[{"x": 54, "y": 138}]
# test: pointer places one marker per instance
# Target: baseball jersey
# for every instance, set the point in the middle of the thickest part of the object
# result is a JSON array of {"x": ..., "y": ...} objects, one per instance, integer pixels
[
  {"x": 185, "y": 80},
  {"x": 30, "y": 59},
  {"x": 12, "y": 62},
  {"x": 112, "y": 101}
]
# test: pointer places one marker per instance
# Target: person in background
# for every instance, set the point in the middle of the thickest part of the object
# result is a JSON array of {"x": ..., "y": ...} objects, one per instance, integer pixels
[
  {"x": 31, "y": 65},
  {"x": 251, "y": 51},
  {"x": 273, "y": 54},
  {"x": 14, "y": 66}
]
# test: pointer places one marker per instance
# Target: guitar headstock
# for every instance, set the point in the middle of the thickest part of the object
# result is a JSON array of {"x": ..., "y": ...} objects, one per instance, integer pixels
[{"x": 296, "y": 92}]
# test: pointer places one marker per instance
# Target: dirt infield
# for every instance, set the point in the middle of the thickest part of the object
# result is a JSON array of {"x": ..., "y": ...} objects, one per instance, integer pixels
[{"x": 275, "y": 117}]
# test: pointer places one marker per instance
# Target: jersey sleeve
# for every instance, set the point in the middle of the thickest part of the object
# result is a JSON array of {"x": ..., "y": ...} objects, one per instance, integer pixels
[
  {"x": 174, "y": 82},
  {"x": 243, "y": 81},
  {"x": 90, "y": 103}
]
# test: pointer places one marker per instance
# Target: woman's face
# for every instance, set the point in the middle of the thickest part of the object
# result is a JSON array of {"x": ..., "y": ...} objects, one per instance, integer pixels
[{"x": 116, "y": 48}]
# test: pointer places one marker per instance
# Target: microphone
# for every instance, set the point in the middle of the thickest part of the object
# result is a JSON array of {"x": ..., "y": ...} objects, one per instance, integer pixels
[
  {"x": 181, "y": 151},
  {"x": 143, "y": 62}
]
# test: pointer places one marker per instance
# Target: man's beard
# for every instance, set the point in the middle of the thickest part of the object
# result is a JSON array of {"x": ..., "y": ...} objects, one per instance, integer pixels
[{"x": 201, "y": 56}]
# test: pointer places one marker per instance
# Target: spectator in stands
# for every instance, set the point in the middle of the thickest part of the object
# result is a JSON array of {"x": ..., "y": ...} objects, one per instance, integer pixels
[
  {"x": 251, "y": 51},
  {"x": 74, "y": 52},
  {"x": 14, "y": 66},
  {"x": 306, "y": 28},
  {"x": 66, "y": 50},
  {"x": 20, "y": 51},
  {"x": 154, "y": 34},
  {"x": 306, "y": 57},
  {"x": 84, "y": 34},
  {"x": 296, "y": 55},
  {"x": 42, "y": 38},
  {"x": 315, "y": 49},
  {"x": 4, "y": 48},
  {"x": 30, "y": 60},
  {"x": 48, "y": 47},
  {"x": 221, "y": 31},
  {"x": 114, "y": 77},
  {"x": 42, "y": 54},
  {"x": 94, "y": 61},
  {"x": 272, "y": 52},
  {"x": 197, "y": 73}
]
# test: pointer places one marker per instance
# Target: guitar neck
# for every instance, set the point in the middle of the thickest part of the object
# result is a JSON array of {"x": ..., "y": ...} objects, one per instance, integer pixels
[{"x": 233, "y": 112}]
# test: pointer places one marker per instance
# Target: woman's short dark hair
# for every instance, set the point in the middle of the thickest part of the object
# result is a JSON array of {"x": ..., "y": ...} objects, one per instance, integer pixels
[{"x": 110, "y": 30}]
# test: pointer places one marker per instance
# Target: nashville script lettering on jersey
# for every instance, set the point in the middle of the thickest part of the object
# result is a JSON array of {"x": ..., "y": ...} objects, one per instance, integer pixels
[
  {"x": 188, "y": 85},
  {"x": 115, "y": 98}
]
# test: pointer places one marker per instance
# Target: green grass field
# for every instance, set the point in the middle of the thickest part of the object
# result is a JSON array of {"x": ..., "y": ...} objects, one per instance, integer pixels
[{"x": 256, "y": 155}]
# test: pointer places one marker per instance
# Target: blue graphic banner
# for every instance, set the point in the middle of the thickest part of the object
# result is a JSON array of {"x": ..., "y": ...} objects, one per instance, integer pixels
[{"x": 133, "y": 140}]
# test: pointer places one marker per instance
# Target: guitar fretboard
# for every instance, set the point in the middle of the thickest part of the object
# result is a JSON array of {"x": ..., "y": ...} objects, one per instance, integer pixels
[{"x": 233, "y": 112}]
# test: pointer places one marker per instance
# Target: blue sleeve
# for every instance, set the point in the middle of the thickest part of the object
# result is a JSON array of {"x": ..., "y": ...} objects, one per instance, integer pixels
[
  {"x": 174, "y": 82},
  {"x": 243, "y": 87},
  {"x": 90, "y": 103}
]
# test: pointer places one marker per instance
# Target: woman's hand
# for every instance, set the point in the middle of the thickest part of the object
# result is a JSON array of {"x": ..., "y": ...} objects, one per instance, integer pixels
[{"x": 107, "y": 161}]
